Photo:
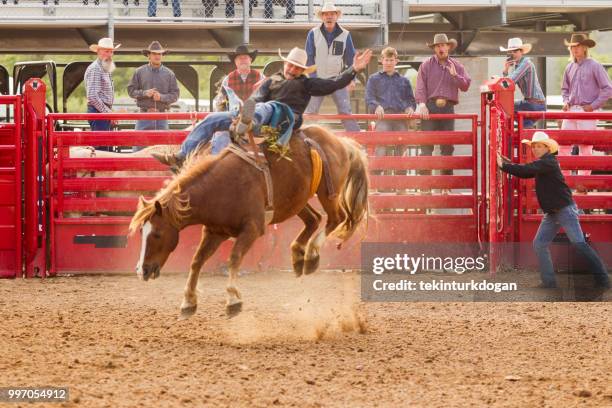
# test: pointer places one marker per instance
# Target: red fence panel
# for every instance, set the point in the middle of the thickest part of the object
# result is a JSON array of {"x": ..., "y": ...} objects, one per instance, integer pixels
[
  {"x": 90, "y": 215},
  {"x": 11, "y": 261},
  {"x": 592, "y": 193}
]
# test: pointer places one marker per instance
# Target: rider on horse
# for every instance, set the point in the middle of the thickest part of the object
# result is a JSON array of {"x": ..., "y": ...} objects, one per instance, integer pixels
[{"x": 291, "y": 87}]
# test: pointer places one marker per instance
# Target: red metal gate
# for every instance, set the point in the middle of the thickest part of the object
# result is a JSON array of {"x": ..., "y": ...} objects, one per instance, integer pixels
[{"x": 10, "y": 189}]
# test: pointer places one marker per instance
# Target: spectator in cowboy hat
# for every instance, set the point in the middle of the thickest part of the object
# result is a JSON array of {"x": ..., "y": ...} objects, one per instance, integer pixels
[
  {"x": 525, "y": 76},
  {"x": 291, "y": 87},
  {"x": 560, "y": 210},
  {"x": 330, "y": 47},
  {"x": 437, "y": 91},
  {"x": 237, "y": 86},
  {"x": 585, "y": 88},
  {"x": 99, "y": 84},
  {"x": 154, "y": 87}
]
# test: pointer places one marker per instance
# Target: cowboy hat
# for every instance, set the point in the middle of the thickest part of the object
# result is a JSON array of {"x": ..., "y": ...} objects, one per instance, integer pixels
[
  {"x": 541, "y": 137},
  {"x": 154, "y": 47},
  {"x": 242, "y": 50},
  {"x": 443, "y": 39},
  {"x": 328, "y": 7},
  {"x": 104, "y": 43},
  {"x": 580, "y": 39},
  {"x": 299, "y": 58},
  {"x": 516, "y": 44}
]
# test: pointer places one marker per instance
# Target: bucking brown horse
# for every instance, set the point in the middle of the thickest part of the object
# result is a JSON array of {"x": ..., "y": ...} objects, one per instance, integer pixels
[{"x": 229, "y": 197}]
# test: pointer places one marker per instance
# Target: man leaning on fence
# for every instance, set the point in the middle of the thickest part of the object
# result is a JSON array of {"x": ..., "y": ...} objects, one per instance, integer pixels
[
  {"x": 586, "y": 87},
  {"x": 154, "y": 87},
  {"x": 99, "y": 84},
  {"x": 388, "y": 92},
  {"x": 526, "y": 78},
  {"x": 438, "y": 83},
  {"x": 330, "y": 47}
]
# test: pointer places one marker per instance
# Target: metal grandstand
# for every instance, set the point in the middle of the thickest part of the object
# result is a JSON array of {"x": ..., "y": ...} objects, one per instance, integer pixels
[{"x": 67, "y": 26}]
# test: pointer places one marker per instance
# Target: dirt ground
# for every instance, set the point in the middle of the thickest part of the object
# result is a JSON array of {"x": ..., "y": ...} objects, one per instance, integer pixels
[{"x": 115, "y": 342}]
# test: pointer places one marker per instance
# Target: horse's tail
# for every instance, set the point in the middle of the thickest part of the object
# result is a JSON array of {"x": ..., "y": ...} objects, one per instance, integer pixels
[{"x": 353, "y": 197}]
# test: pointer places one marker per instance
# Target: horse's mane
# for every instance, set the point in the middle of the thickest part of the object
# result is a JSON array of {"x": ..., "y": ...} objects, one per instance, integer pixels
[{"x": 173, "y": 196}]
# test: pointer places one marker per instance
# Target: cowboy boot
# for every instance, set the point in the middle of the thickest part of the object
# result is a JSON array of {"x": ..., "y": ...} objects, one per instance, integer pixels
[
  {"x": 246, "y": 117},
  {"x": 169, "y": 159}
]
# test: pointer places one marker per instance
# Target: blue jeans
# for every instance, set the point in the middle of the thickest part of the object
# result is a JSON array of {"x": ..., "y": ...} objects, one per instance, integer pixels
[
  {"x": 567, "y": 218},
  {"x": 150, "y": 125},
  {"x": 220, "y": 121},
  {"x": 529, "y": 106},
  {"x": 98, "y": 125},
  {"x": 343, "y": 104},
  {"x": 176, "y": 8}
]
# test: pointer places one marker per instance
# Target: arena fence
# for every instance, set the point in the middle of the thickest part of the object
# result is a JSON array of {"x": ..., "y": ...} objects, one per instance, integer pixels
[
  {"x": 78, "y": 201},
  {"x": 10, "y": 189}
]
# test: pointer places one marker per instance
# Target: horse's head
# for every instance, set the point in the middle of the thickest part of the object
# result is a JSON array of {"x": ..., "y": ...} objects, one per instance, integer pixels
[{"x": 159, "y": 238}]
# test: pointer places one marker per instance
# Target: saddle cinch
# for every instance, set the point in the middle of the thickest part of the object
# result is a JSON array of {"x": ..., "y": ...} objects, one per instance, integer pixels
[{"x": 249, "y": 149}]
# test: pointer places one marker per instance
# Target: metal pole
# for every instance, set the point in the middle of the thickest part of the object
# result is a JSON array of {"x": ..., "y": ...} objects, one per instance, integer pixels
[
  {"x": 541, "y": 61},
  {"x": 245, "y": 21},
  {"x": 384, "y": 19},
  {"x": 310, "y": 11},
  {"x": 111, "y": 20}
]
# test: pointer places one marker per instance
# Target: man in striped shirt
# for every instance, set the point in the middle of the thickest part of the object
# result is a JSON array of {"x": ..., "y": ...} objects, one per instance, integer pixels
[
  {"x": 526, "y": 78},
  {"x": 99, "y": 83}
]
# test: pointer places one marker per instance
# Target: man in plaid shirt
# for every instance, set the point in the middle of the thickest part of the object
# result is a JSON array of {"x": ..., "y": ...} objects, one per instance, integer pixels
[{"x": 99, "y": 83}]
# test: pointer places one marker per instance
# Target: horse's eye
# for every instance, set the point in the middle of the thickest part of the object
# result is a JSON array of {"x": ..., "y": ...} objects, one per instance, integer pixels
[{"x": 156, "y": 235}]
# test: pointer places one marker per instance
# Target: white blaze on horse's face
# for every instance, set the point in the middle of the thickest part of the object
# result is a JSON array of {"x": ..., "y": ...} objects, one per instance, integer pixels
[{"x": 146, "y": 230}]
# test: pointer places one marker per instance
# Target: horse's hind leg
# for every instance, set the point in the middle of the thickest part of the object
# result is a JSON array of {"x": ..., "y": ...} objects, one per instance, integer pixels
[
  {"x": 244, "y": 241},
  {"x": 313, "y": 248},
  {"x": 311, "y": 220},
  {"x": 208, "y": 245}
]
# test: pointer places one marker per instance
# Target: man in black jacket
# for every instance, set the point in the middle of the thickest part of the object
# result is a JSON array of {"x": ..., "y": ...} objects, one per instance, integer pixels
[
  {"x": 291, "y": 87},
  {"x": 555, "y": 199}
]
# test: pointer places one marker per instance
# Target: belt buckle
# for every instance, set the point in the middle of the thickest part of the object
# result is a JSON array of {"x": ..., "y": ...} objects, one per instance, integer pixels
[{"x": 440, "y": 102}]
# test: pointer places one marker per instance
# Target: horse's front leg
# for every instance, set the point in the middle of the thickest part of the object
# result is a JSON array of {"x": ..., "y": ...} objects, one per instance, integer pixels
[
  {"x": 244, "y": 241},
  {"x": 208, "y": 245}
]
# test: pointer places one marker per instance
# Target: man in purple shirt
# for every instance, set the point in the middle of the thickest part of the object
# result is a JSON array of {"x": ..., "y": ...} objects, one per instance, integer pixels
[
  {"x": 438, "y": 83},
  {"x": 586, "y": 88}
]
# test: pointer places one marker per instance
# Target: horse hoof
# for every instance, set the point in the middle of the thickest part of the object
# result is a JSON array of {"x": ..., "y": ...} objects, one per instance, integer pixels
[
  {"x": 233, "y": 309},
  {"x": 298, "y": 268},
  {"x": 187, "y": 312},
  {"x": 311, "y": 265}
]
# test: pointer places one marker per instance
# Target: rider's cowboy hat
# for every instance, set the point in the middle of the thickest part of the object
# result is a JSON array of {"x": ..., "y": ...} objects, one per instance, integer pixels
[
  {"x": 516, "y": 44},
  {"x": 328, "y": 7},
  {"x": 443, "y": 39},
  {"x": 580, "y": 39},
  {"x": 242, "y": 50},
  {"x": 299, "y": 58},
  {"x": 541, "y": 137},
  {"x": 156, "y": 48},
  {"x": 104, "y": 43}
]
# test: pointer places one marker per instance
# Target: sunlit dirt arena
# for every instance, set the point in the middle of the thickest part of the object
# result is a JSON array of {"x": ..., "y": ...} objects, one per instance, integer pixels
[{"x": 115, "y": 342}]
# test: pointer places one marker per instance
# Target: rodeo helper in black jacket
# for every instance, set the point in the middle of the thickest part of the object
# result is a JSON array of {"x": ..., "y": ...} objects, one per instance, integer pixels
[{"x": 552, "y": 192}]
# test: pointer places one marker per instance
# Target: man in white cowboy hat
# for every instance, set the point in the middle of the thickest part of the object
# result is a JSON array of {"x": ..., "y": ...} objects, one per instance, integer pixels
[
  {"x": 99, "y": 83},
  {"x": 291, "y": 87},
  {"x": 525, "y": 76},
  {"x": 437, "y": 91},
  {"x": 154, "y": 87},
  {"x": 555, "y": 199},
  {"x": 330, "y": 47},
  {"x": 586, "y": 87}
]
